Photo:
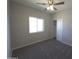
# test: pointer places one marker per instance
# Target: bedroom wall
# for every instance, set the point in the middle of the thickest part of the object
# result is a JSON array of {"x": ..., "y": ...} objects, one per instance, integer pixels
[
  {"x": 20, "y": 25},
  {"x": 64, "y": 26}
]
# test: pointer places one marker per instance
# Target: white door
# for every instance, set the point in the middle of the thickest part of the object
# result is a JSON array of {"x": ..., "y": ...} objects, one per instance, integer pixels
[{"x": 59, "y": 29}]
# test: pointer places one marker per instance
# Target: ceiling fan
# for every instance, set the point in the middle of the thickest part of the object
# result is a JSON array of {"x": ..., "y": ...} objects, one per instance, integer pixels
[{"x": 51, "y": 4}]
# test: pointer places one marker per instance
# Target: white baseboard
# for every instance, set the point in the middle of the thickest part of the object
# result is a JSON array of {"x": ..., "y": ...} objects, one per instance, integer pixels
[
  {"x": 65, "y": 42},
  {"x": 27, "y": 44}
]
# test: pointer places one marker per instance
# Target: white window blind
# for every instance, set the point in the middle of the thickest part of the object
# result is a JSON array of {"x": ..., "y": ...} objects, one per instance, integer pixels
[{"x": 36, "y": 25}]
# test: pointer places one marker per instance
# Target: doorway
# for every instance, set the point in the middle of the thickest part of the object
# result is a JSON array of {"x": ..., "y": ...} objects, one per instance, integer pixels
[{"x": 55, "y": 28}]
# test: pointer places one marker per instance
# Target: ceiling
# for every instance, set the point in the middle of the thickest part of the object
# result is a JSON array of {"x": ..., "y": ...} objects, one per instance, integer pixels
[{"x": 32, "y": 3}]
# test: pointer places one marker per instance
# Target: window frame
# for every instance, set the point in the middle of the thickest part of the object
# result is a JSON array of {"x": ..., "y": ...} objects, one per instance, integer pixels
[{"x": 37, "y": 28}]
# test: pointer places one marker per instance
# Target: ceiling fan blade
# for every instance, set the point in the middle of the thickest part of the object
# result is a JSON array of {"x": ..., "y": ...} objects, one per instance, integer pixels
[
  {"x": 55, "y": 8},
  {"x": 42, "y": 3},
  {"x": 59, "y": 3}
]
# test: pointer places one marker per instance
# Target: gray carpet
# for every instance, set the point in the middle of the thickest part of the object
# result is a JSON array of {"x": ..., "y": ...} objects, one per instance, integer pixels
[{"x": 50, "y": 49}]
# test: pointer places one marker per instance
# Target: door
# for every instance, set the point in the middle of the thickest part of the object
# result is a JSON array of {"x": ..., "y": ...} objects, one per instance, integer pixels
[{"x": 59, "y": 29}]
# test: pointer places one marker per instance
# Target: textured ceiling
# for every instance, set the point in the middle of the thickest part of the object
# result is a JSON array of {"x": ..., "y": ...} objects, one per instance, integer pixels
[{"x": 32, "y": 3}]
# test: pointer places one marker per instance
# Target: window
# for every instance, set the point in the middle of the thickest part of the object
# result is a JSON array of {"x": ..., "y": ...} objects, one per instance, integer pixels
[{"x": 36, "y": 25}]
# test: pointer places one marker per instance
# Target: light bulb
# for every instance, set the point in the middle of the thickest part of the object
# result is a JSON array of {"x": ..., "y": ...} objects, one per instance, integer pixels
[
  {"x": 48, "y": 8},
  {"x": 51, "y": 7}
]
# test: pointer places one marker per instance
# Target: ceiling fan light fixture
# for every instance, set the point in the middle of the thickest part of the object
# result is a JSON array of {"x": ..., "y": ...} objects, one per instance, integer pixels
[
  {"x": 49, "y": 2},
  {"x": 50, "y": 8}
]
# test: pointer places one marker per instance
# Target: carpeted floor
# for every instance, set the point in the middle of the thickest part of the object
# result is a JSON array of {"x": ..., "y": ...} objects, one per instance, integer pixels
[{"x": 50, "y": 49}]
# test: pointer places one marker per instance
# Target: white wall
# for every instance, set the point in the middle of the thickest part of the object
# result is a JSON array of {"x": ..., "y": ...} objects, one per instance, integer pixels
[
  {"x": 64, "y": 29},
  {"x": 20, "y": 25}
]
